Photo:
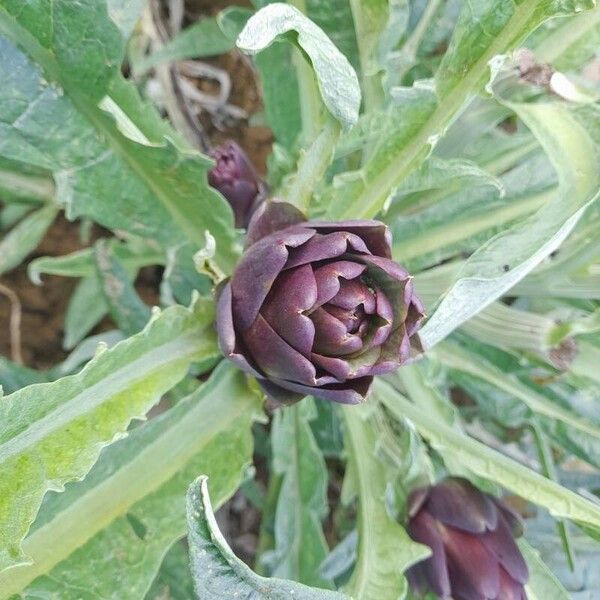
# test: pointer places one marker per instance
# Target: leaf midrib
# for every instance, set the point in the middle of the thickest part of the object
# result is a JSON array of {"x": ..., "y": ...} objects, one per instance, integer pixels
[
  {"x": 87, "y": 400},
  {"x": 455, "y": 357},
  {"x": 103, "y": 123},
  {"x": 566, "y": 503},
  {"x": 169, "y": 453},
  {"x": 368, "y": 204},
  {"x": 360, "y": 582}
]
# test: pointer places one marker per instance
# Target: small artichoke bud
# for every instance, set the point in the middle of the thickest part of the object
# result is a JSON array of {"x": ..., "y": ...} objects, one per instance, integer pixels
[
  {"x": 235, "y": 178},
  {"x": 317, "y": 308},
  {"x": 471, "y": 535}
]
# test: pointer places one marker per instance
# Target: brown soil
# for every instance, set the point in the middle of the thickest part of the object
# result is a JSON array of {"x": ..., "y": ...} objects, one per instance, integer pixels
[{"x": 43, "y": 307}]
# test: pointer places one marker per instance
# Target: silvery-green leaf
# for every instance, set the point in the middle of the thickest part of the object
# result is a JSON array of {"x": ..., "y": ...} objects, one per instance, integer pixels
[
  {"x": 456, "y": 357},
  {"x": 24, "y": 237},
  {"x": 484, "y": 30},
  {"x": 126, "y": 307},
  {"x": 491, "y": 464},
  {"x": 22, "y": 184},
  {"x": 174, "y": 580},
  {"x": 87, "y": 307},
  {"x": 125, "y": 14},
  {"x": 569, "y": 43},
  {"x": 542, "y": 584},
  {"x": 129, "y": 169},
  {"x": 14, "y": 377},
  {"x": 370, "y": 21},
  {"x": 52, "y": 433},
  {"x": 11, "y": 214},
  {"x": 300, "y": 545},
  {"x": 385, "y": 550},
  {"x": 337, "y": 80},
  {"x": 108, "y": 533},
  {"x": 571, "y": 139},
  {"x": 87, "y": 349},
  {"x": 81, "y": 262},
  {"x": 336, "y": 20},
  {"x": 219, "y": 574}
]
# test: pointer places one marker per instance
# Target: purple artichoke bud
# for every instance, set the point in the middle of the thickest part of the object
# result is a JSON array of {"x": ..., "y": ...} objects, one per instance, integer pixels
[
  {"x": 317, "y": 308},
  {"x": 471, "y": 535},
  {"x": 235, "y": 177}
]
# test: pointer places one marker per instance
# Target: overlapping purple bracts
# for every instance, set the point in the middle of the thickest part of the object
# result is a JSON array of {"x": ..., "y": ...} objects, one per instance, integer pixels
[
  {"x": 317, "y": 308},
  {"x": 471, "y": 535},
  {"x": 235, "y": 177}
]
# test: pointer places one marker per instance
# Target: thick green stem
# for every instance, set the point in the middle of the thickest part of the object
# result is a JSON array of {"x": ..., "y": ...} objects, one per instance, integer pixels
[
  {"x": 549, "y": 470},
  {"x": 298, "y": 190},
  {"x": 310, "y": 97},
  {"x": 455, "y": 231},
  {"x": 413, "y": 153},
  {"x": 364, "y": 27},
  {"x": 416, "y": 37}
]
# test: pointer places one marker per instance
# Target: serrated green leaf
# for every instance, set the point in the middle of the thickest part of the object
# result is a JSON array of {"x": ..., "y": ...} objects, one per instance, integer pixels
[
  {"x": 127, "y": 169},
  {"x": 485, "y": 30},
  {"x": 300, "y": 545},
  {"x": 108, "y": 533},
  {"x": 571, "y": 138},
  {"x": 336, "y": 78},
  {"x": 87, "y": 349},
  {"x": 219, "y": 574},
  {"x": 492, "y": 465},
  {"x": 53, "y": 433},
  {"x": 86, "y": 308},
  {"x": 542, "y": 584},
  {"x": 24, "y": 237},
  {"x": 126, "y": 307},
  {"x": 81, "y": 262},
  {"x": 174, "y": 580},
  {"x": 385, "y": 550},
  {"x": 461, "y": 359}
]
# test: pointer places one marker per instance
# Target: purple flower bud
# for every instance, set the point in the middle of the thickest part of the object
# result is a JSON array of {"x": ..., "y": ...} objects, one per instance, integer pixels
[
  {"x": 317, "y": 308},
  {"x": 235, "y": 178},
  {"x": 471, "y": 535}
]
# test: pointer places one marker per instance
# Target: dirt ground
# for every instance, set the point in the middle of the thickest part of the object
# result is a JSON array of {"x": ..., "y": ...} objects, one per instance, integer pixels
[{"x": 43, "y": 307}]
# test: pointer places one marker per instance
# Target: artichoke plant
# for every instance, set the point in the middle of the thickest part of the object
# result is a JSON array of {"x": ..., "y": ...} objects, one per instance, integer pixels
[
  {"x": 317, "y": 308},
  {"x": 471, "y": 536},
  {"x": 235, "y": 177}
]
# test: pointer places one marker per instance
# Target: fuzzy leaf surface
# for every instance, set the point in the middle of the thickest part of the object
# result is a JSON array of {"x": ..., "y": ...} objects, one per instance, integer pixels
[
  {"x": 336, "y": 78},
  {"x": 132, "y": 503},
  {"x": 52, "y": 433},
  {"x": 218, "y": 573},
  {"x": 128, "y": 169}
]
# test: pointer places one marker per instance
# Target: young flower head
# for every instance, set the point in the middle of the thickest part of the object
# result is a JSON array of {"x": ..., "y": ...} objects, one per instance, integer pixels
[
  {"x": 317, "y": 308},
  {"x": 471, "y": 535},
  {"x": 235, "y": 177}
]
